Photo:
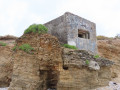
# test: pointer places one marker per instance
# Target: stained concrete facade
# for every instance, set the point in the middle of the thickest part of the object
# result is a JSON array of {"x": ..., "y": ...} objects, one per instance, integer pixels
[{"x": 74, "y": 30}]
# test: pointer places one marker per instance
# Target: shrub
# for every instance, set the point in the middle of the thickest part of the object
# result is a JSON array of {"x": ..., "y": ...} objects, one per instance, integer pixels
[
  {"x": 96, "y": 56},
  {"x": 87, "y": 62},
  {"x": 69, "y": 46},
  {"x": 2, "y": 44},
  {"x": 26, "y": 47},
  {"x": 36, "y": 28}
]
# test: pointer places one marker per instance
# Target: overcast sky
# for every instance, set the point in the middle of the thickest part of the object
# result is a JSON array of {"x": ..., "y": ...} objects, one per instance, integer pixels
[{"x": 17, "y": 15}]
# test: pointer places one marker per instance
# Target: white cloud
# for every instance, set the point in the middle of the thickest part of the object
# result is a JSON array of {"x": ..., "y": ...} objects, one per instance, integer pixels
[
  {"x": 17, "y": 15},
  {"x": 13, "y": 14}
]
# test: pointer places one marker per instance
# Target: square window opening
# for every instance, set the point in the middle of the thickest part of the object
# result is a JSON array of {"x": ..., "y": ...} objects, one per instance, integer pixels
[{"x": 83, "y": 34}]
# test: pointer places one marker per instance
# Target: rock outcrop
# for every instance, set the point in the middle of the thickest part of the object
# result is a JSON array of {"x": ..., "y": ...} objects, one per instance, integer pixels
[
  {"x": 77, "y": 75},
  {"x": 50, "y": 66},
  {"x": 38, "y": 70}
]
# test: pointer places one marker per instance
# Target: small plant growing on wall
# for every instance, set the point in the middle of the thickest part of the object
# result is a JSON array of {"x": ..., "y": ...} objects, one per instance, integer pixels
[
  {"x": 87, "y": 62},
  {"x": 69, "y": 46},
  {"x": 36, "y": 28},
  {"x": 2, "y": 44},
  {"x": 96, "y": 56},
  {"x": 26, "y": 47}
]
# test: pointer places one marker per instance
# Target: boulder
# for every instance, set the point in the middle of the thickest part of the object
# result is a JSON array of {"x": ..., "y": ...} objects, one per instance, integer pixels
[{"x": 94, "y": 65}]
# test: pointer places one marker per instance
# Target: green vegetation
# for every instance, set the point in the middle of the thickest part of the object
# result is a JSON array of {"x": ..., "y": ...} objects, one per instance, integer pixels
[
  {"x": 26, "y": 47},
  {"x": 2, "y": 44},
  {"x": 87, "y": 62},
  {"x": 96, "y": 56},
  {"x": 69, "y": 46},
  {"x": 36, "y": 28},
  {"x": 14, "y": 48}
]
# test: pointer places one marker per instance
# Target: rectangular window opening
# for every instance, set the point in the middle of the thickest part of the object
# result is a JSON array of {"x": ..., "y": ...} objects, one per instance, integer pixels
[
  {"x": 80, "y": 35},
  {"x": 83, "y": 34}
]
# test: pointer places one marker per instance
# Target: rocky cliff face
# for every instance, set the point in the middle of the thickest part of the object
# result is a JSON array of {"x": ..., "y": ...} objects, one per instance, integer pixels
[
  {"x": 77, "y": 75},
  {"x": 50, "y": 66},
  {"x": 6, "y": 65},
  {"x": 36, "y": 70},
  {"x": 111, "y": 49}
]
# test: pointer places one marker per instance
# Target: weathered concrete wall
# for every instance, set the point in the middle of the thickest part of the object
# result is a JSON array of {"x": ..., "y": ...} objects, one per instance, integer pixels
[
  {"x": 57, "y": 27},
  {"x": 86, "y": 44},
  {"x": 74, "y": 23}
]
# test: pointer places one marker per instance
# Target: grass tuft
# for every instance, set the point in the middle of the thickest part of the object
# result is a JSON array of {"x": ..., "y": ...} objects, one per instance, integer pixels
[
  {"x": 69, "y": 46},
  {"x": 14, "y": 48},
  {"x": 96, "y": 56},
  {"x": 2, "y": 44},
  {"x": 87, "y": 62},
  {"x": 26, "y": 47}
]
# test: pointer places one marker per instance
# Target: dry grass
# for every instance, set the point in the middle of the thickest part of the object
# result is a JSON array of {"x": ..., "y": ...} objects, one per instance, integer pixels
[{"x": 101, "y": 37}]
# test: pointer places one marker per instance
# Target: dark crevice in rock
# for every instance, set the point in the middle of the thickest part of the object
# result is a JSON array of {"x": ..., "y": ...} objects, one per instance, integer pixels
[
  {"x": 49, "y": 79},
  {"x": 52, "y": 79}
]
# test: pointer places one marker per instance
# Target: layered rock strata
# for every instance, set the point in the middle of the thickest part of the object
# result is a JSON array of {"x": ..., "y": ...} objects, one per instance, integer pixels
[{"x": 50, "y": 66}]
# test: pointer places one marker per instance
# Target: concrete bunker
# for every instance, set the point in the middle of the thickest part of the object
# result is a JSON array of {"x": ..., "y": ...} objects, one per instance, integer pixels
[{"x": 74, "y": 30}]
